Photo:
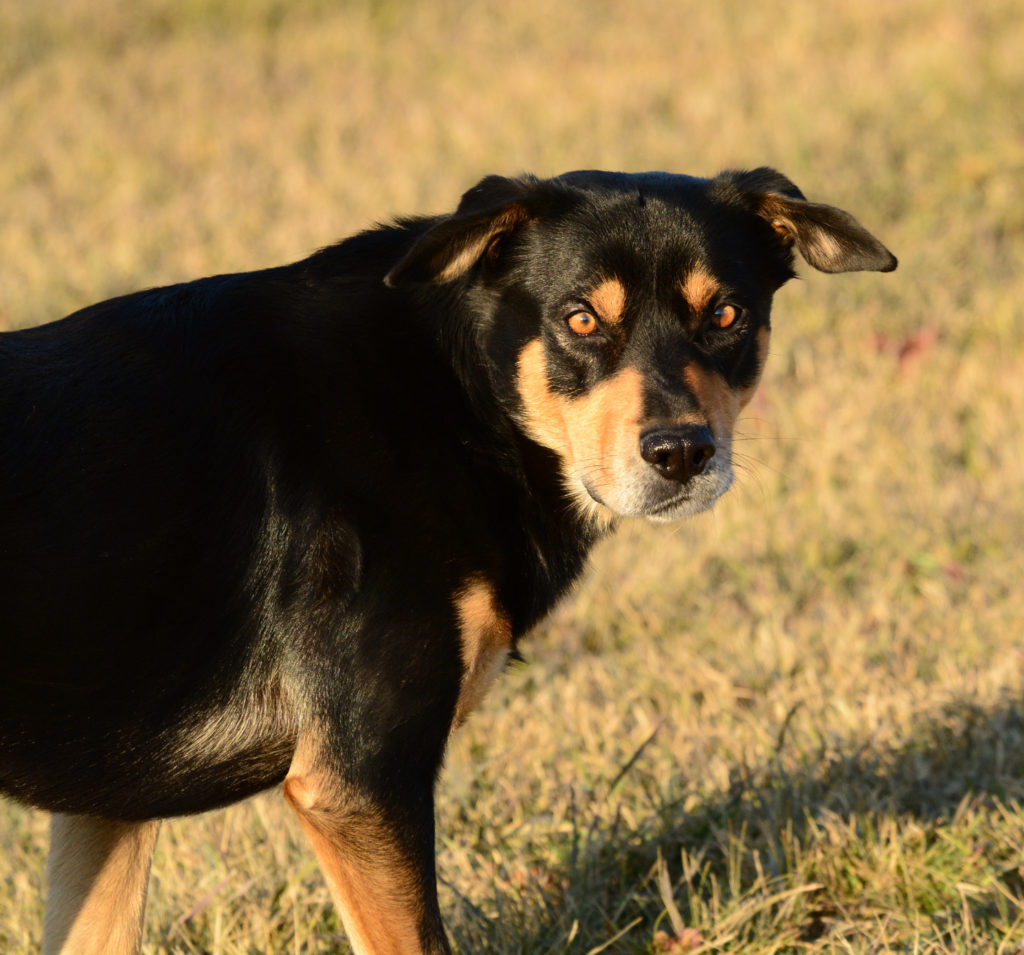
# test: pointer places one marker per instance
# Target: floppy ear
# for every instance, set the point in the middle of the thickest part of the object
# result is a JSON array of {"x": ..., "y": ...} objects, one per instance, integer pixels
[
  {"x": 828, "y": 238},
  {"x": 494, "y": 207}
]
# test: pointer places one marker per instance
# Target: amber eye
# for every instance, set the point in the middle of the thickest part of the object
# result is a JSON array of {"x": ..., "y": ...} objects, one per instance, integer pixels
[
  {"x": 583, "y": 323},
  {"x": 725, "y": 316}
]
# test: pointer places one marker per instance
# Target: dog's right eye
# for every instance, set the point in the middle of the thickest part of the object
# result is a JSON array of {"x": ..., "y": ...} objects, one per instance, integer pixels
[{"x": 582, "y": 323}]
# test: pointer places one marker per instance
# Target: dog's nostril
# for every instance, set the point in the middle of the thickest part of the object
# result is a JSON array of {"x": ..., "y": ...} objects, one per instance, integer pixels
[
  {"x": 678, "y": 454},
  {"x": 700, "y": 455}
]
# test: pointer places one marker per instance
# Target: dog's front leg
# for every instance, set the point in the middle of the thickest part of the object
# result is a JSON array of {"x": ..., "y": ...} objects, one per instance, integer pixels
[
  {"x": 376, "y": 849},
  {"x": 97, "y": 874}
]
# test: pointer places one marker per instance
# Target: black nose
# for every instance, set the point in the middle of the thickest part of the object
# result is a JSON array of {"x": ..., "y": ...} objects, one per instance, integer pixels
[{"x": 678, "y": 453}]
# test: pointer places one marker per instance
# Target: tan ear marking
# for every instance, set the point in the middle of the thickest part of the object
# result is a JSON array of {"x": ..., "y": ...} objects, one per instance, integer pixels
[{"x": 479, "y": 243}]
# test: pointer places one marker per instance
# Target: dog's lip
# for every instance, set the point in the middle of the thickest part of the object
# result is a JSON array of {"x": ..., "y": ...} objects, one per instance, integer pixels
[
  {"x": 674, "y": 500},
  {"x": 590, "y": 490}
]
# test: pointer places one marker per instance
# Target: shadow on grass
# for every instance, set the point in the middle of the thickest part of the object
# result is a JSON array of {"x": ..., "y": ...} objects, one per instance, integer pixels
[{"x": 962, "y": 752}]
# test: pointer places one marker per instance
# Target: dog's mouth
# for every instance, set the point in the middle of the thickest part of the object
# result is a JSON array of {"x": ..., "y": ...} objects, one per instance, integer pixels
[
  {"x": 645, "y": 510},
  {"x": 595, "y": 496},
  {"x": 649, "y": 498},
  {"x": 676, "y": 500}
]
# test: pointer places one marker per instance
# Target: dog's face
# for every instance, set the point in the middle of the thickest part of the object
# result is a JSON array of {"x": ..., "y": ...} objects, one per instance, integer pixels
[{"x": 627, "y": 317}]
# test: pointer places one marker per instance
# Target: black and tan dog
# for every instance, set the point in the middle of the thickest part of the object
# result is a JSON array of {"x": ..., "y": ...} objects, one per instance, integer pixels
[{"x": 287, "y": 525}]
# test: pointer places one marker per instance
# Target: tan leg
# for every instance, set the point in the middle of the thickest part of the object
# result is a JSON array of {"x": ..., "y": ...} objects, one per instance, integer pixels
[
  {"x": 381, "y": 880},
  {"x": 97, "y": 873}
]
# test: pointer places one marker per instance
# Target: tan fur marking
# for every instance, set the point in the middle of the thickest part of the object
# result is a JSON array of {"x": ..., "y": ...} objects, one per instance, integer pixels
[
  {"x": 609, "y": 299},
  {"x": 818, "y": 246},
  {"x": 596, "y": 435},
  {"x": 370, "y": 879},
  {"x": 545, "y": 411},
  {"x": 97, "y": 874},
  {"x": 486, "y": 640},
  {"x": 466, "y": 257},
  {"x": 785, "y": 230},
  {"x": 604, "y": 424},
  {"x": 777, "y": 211},
  {"x": 298, "y": 788},
  {"x": 463, "y": 260},
  {"x": 822, "y": 248},
  {"x": 715, "y": 398},
  {"x": 699, "y": 287}
]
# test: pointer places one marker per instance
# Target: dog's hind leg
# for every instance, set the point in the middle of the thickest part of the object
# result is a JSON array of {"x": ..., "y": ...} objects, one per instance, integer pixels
[
  {"x": 377, "y": 854},
  {"x": 97, "y": 874}
]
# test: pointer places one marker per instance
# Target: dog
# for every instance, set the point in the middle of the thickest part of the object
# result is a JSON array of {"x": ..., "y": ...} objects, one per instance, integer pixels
[{"x": 286, "y": 526}]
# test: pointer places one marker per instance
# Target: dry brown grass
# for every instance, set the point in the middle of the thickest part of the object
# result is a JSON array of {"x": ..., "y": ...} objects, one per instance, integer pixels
[{"x": 794, "y": 725}]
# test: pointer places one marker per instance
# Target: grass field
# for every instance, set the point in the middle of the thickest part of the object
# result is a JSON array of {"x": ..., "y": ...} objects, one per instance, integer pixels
[{"x": 794, "y": 725}]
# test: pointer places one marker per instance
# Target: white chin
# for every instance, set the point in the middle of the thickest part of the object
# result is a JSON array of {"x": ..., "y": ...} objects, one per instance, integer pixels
[
  {"x": 680, "y": 511},
  {"x": 671, "y": 503},
  {"x": 698, "y": 496}
]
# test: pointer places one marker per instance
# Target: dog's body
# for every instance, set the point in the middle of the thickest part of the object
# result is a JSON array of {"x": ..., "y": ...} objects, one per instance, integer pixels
[{"x": 286, "y": 525}]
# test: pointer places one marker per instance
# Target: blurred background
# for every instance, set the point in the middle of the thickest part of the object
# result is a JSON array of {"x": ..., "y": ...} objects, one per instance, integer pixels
[{"x": 795, "y": 724}]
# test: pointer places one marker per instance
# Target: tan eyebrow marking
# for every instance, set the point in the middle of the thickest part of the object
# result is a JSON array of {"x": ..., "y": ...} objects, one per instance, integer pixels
[
  {"x": 609, "y": 299},
  {"x": 699, "y": 287}
]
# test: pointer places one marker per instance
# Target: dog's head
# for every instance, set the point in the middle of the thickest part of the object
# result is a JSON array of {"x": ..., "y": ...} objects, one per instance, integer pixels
[{"x": 625, "y": 318}]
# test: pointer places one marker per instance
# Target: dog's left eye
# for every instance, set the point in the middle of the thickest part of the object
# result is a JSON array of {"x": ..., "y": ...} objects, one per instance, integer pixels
[
  {"x": 582, "y": 323},
  {"x": 726, "y": 316}
]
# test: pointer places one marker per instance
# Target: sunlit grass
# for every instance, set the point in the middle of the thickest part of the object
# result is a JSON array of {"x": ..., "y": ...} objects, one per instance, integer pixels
[{"x": 796, "y": 724}]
